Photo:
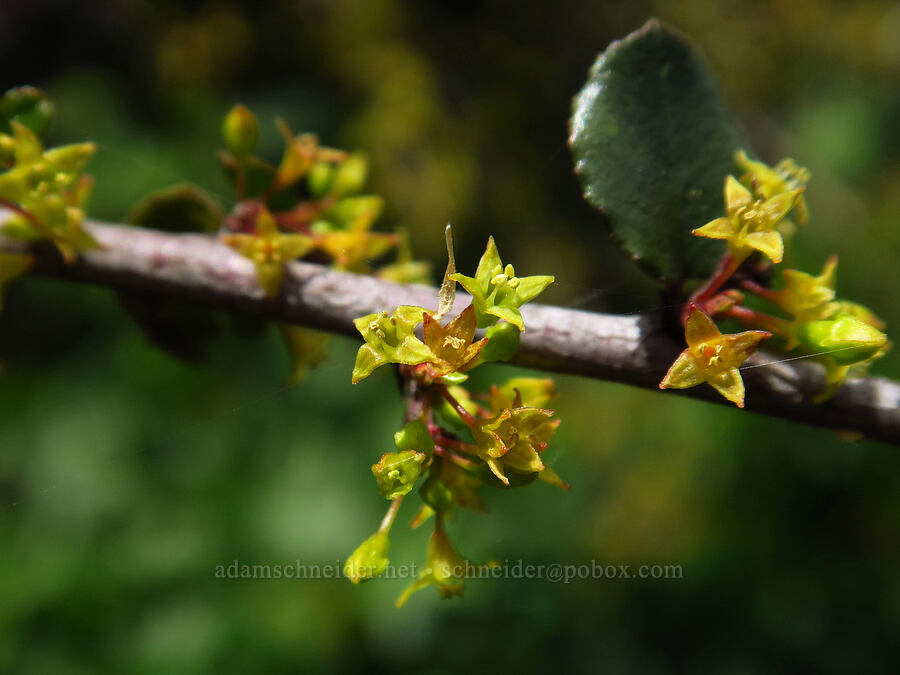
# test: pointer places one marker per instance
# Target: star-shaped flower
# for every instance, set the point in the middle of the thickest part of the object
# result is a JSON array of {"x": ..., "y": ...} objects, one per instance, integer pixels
[
  {"x": 767, "y": 181},
  {"x": 47, "y": 187},
  {"x": 452, "y": 344},
  {"x": 712, "y": 358},
  {"x": 514, "y": 439},
  {"x": 497, "y": 292},
  {"x": 269, "y": 250},
  {"x": 750, "y": 223},
  {"x": 807, "y": 298},
  {"x": 390, "y": 339}
]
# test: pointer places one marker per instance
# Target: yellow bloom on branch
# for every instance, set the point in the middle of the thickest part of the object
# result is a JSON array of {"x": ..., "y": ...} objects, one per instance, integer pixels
[
  {"x": 767, "y": 181},
  {"x": 749, "y": 223},
  {"x": 713, "y": 358}
]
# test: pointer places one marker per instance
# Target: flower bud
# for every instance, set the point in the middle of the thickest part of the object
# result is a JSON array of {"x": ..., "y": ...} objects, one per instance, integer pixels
[
  {"x": 319, "y": 179},
  {"x": 370, "y": 559},
  {"x": 846, "y": 338},
  {"x": 350, "y": 176},
  {"x": 396, "y": 472},
  {"x": 503, "y": 341},
  {"x": 436, "y": 494},
  {"x": 414, "y": 436},
  {"x": 240, "y": 131}
]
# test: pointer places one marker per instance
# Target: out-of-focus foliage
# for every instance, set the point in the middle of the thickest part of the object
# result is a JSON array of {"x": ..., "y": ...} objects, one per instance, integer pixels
[{"x": 127, "y": 477}]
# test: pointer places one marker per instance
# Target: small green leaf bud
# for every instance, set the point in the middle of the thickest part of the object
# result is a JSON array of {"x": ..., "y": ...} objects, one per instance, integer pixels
[
  {"x": 240, "y": 131},
  {"x": 369, "y": 560}
]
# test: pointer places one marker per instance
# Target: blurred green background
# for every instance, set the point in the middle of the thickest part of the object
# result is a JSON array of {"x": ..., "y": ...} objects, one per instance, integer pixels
[{"x": 126, "y": 476}]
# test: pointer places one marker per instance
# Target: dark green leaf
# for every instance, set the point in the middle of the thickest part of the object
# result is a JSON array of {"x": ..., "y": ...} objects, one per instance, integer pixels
[
  {"x": 28, "y": 106},
  {"x": 181, "y": 208},
  {"x": 652, "y": 143}
]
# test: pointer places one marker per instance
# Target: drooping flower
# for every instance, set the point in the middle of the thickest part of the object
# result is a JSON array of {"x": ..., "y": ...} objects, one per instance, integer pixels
[
  {"x": 514, "y": 438},
  {"x": 444, "y": 568},
  {"x": 390, "y": 339},
  {"x": 396, "y": 472},
  {"x": 712, "y": 357}
]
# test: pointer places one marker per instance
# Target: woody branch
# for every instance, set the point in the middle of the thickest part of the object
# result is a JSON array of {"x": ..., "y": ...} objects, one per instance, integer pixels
[{"x": 633, "y": 350}]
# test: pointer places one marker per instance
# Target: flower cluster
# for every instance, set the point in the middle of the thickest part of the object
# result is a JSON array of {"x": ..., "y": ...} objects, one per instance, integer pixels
[
  {"x": 44, "y": 189},
  {"x": 310, "y": 204},
  {"x": 844, "y": 336},
  {"x": 456, "y": 442}
]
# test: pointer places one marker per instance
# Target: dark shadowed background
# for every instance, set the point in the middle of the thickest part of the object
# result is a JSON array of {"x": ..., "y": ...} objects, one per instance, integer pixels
[{"x": 127, "y": 476}]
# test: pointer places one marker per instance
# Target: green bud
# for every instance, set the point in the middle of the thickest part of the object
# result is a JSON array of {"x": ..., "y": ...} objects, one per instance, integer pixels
[
  {"x": 847, "y": 338},
  {"x": 414, "y": 436},
  {"x": 396, "y": 472},
  {"x": 358, "y": 212},
  {"x": 503, "y": 341},
  {"x": 436, "y": 494},
  {"x": 240, "y": 131},
  {"x": 28, "y": 106},
  {"x": 350, "y": 176},
  {"x": 369, "y": 559},
  {"x": 319, "y": 179}
]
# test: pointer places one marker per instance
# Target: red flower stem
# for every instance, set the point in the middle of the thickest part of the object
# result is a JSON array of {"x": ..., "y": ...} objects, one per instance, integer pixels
[
  {"x": 762, "y": 320},
  {"x": 760, "y": 290},
  {"x": 459, "y": 460},
  {"x": 391, "y": 515},
  {"x": 728, "y": 266},
  {"x": 455, "y": 444},
  {"x": 463, "y": 413},
  {"x": 240, "y": 179}
]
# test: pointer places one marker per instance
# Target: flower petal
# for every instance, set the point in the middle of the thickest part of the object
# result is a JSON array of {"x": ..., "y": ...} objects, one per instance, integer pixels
[
  {"x": 730, "y": 385},
  {"x": 768, "y": 243},
  {"x": 720, "y": 228},
  {"x": 682, "y": 374}
]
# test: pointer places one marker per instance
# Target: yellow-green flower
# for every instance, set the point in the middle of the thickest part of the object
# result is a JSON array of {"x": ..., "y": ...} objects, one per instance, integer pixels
[
  {"x": 713, "y": 358},
  {"x": 396, "y": 472},
  {"x": 514, "y": 439},
  {"x": 269, "y": 250},
  {"x": 497, "y": 292},
  {"x": 452, "y": 344},
  {"x": 767, "y": 182},
  {"x": 390, "y": 339},
  {"x": 47, "y": 186},
  {"x": 807, "y": 298},
  {"x": 749, "y": 224}
]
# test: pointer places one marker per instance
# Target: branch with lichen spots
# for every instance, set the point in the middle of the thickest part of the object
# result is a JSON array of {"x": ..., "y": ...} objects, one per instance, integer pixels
[{"x": 632, "y": 350}]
